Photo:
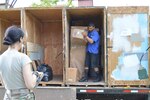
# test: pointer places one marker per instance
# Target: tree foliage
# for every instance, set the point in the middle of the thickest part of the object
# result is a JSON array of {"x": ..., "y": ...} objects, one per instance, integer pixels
[
  {"x": 50, "y": 3},
  {"x": 69, "y": 3}
]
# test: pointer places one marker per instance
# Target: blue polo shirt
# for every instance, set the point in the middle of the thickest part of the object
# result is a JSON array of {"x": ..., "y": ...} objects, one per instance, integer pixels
[{"x": 94, "y": 47}]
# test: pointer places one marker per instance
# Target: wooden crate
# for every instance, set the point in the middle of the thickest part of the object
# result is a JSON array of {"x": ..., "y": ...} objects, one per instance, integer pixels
[
  {"x": 71, "y": 75},
  {"x": 45, "y": 28},
  {"x": 124, "y": 34},
  {"x": 82, "y": 16}
]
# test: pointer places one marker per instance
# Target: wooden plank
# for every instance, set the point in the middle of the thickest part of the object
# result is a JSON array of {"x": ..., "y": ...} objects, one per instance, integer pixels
[
  {"x": 66, "y": 43},
  {"x": 67, "y": 31},
  {"x": 33, "y": 27},
  {"x": 103, "y": 51},
  {"x": 129, "y": 83},
  {"x": 86, "y": 84},
  {"x": 127, "y": 10},
  {"x": 63, "y": 31},
  {"x": 57, "y": 80}
]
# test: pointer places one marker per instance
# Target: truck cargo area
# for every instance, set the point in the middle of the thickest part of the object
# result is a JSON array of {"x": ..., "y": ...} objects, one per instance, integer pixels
[{"x": 49, "y": 40}]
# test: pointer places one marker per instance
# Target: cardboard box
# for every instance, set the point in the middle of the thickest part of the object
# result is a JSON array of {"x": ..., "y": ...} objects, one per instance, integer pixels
[
  {"x": 71, "y": 74},
  {"x": 76, "y": 31},
  {"x": 76, "y": 35},
  {"x": 77, "y": 59}
]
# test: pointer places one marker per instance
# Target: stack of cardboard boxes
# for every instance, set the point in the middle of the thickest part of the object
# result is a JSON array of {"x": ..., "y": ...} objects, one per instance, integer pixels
[{"x": 77, "y": 54}]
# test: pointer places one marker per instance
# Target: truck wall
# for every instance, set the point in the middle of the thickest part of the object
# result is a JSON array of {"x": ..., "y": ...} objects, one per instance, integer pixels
[{"x": 51, "y": 93}]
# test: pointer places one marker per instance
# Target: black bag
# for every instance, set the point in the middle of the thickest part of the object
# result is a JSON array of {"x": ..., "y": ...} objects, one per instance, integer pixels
[{"x": 47, "y": 70}]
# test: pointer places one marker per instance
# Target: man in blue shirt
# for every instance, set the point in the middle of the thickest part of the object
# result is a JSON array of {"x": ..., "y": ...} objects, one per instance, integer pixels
[{"x": 92, "y": 53}]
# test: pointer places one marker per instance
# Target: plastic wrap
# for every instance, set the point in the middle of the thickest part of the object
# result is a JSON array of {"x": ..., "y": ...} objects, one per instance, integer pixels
[{"x": 77, "y": 59}]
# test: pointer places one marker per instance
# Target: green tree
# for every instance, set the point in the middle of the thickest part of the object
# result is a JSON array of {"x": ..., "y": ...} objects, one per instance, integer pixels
[
  {"x": 50, "y": 3},
  {"x": 69, "y": 3}
]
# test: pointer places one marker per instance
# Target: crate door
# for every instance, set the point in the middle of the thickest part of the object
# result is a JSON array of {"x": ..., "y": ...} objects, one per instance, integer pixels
[{"x": 127, "y": 41}]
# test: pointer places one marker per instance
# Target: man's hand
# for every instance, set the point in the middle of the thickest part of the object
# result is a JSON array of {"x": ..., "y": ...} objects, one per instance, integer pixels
[{"x": 84, "y": 34}]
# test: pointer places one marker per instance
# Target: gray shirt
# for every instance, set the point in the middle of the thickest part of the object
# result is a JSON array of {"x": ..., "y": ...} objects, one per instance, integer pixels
[{"x": 11, "y": 68}]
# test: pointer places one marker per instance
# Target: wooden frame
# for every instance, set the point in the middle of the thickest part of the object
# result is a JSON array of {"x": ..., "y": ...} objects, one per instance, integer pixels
[{"x": 80, "y": 13}]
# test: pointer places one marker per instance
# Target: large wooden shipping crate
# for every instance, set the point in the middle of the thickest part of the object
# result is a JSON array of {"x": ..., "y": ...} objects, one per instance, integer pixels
[
  {"x": 124, "y": 60},
  {"x": 76, "y": 20},
  {"x": 44, "y": 27},
  {"x": 127, "y": 41},
  {"x": 8, "y": 18}
]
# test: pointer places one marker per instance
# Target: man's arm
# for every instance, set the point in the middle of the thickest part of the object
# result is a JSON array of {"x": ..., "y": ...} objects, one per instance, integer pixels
[{"x": 89, "y": 39}]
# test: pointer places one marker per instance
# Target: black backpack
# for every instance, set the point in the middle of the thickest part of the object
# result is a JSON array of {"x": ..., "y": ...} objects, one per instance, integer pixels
[{"x": 47, "y": 70}]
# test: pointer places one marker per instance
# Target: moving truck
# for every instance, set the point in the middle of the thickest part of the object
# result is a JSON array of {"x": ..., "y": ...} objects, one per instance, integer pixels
[{"x": 124, "y": 55}]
